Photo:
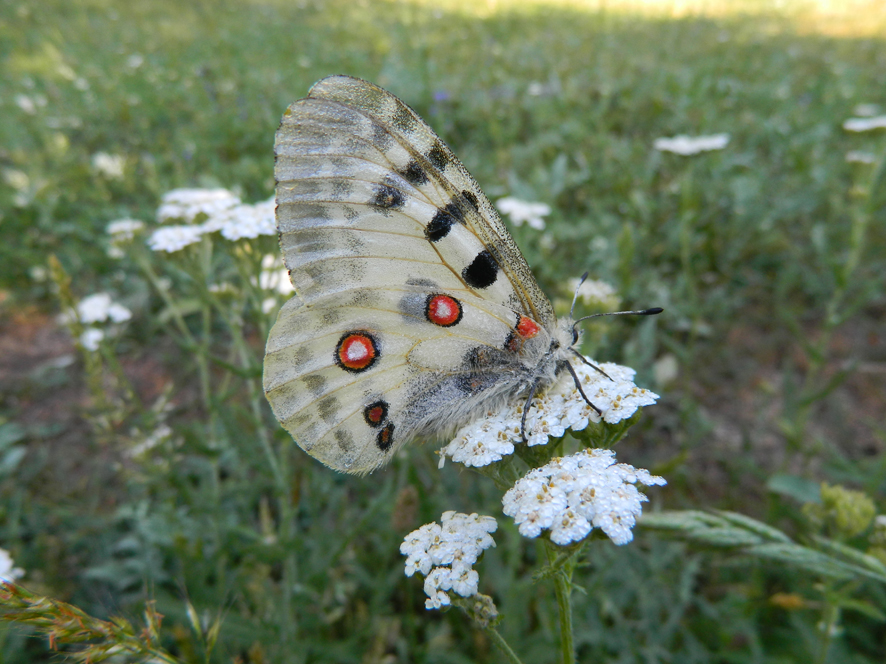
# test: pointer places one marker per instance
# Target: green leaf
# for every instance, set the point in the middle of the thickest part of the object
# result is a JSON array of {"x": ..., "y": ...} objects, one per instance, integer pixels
[
  {"x": 793, "y": 486},
  {"x": 11, "y": 433},
  {"x": 863, "y": 607},
  {"x": 852, "y": 555},
  {"x": 758, "y": 527}
]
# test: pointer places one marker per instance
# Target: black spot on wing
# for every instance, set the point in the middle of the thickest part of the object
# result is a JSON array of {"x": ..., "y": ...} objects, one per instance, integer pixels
[
  {"x": 437, "y": 156},
  {"x": 414, "y": 174},
  {"x": 443, "y": 220},
  {"x": 439, "y": 226},
  {"x": 387, "y": 197},
  {"x": 482, "y": 272},
  {"x": 470, "y": 198}
]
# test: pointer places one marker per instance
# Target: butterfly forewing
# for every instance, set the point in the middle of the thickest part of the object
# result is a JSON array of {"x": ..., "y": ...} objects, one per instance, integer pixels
[{"x": 411, "y": 296}]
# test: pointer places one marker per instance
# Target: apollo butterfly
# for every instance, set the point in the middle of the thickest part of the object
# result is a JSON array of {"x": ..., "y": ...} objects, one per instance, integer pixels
[{"x": 414, "y": 312}]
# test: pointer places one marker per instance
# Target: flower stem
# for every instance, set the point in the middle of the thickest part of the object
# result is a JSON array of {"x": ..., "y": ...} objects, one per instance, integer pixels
[
  {"x": 499, "y": 640},
  {"x": 563, "y": 591}
]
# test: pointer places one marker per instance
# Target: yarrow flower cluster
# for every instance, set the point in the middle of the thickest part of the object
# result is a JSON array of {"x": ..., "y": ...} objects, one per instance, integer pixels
[
  {"x": 865, "y": 124},
  {"x": 689, "y": 145},
  {"x": 109, "y": 165},
  {"x": 174, "y": 238},
  {"x": 521, "y": 212},
  {"x": 190, "y": 205},
  {"x": 445, "y": 553},
  {"x": 97, "y": 308},
  {"x": 571, "y": 495},
  {"x": 561, "y": 407},
  {"x": 216, "y": 210},
  {"x": 122, "y": 232}
]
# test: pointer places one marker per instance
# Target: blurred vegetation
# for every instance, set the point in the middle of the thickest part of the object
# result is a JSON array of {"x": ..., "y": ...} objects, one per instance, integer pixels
[{"x": 769, "y": 257}]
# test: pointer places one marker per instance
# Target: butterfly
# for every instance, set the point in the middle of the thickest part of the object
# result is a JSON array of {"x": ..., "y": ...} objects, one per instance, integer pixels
[{"x": 414, "y": 311}]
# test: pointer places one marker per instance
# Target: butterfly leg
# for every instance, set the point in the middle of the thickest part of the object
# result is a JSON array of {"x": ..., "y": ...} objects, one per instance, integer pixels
[
  {"x": 584, "y": 396},
  {"x": 590, "y": 364},
  {"x": 526, "y": 405}
]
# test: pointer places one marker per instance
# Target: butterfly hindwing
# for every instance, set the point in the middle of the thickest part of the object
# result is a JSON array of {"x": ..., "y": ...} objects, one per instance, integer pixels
[{"x": 412, "y": 302}]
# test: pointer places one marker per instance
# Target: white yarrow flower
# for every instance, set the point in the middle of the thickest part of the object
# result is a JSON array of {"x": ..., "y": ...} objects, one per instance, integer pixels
[
  {"x": 91, "y": 338},
  {"x": 865, "y": 124},
  {"x": 8, "y": 572},
  {"x": 189, "y": 205},
  {"x": 247, "y": 221},
  {"x": 99, "y": 308},
  {"x": 521, "y": 212},
  {"x": 124, "y": 230},
  {"x": 689, "y": 145},
  {"x": 174, "y": 238},
  {"x": 572, "y": 495},
  {"x": 550, "y": 414},
  {"x": 445, "y": 553},
  {"x": 274, "y": 277},
  {"x": 109, "y": 165}
]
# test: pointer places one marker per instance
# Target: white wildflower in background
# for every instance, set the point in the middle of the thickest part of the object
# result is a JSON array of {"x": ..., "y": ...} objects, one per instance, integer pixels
[
  {"x": 445, "y": 554},
  {"x": 124, "y": 230},
  {"x": 91, "y": 338},
  {"x": 30, "y": 104},
  {"x": 859, "y": 157},
  {"x": 572, "y": 495},
  {"x": 90, "y": 311},
  {"x": 100, "y": 308},
  {"x": 109, "y": 165},
  {"x": 593, "y": 291},
  {"x": 666, "y": 369},
  {"x": 152, "y": 440},
  {"x": 865, "y": 124},
  {"x": 8, "y": 572},
  {"x": 188, "y": 205},
  {"x": 247, "y": 221},
  {"x": 174, "y": 238},
  {"x": 550, "y": 414},
  {"x": 689, "y": 145},
  {"x": 521, "y": 212},
  {"x": 274, "y": 276},
  {"x": 16, "y": 179}
]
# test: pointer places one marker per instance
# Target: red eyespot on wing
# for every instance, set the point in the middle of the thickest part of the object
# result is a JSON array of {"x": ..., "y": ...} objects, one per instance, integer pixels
[
  {"x": 443, "y": 310},
  {"x": 375, "y": 413},
  {"x": 385, "y": 437},
  {"x": 527, "y": 328},
  {"x": 356, "y": 351}
]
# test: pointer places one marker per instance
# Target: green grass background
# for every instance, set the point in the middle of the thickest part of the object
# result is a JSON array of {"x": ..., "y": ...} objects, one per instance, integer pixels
[{"x": 768, "y": 257}]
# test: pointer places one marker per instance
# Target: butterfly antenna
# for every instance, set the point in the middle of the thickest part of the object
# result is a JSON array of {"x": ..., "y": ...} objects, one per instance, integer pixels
[
  {"x": 581, "y": 391},
  {"x": 654, "y": 311},
  {"x": 575, "y": 297}
]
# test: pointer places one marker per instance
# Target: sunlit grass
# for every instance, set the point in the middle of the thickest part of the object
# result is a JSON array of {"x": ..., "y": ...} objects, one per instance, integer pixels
[{"x": 849, "y": 18}]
